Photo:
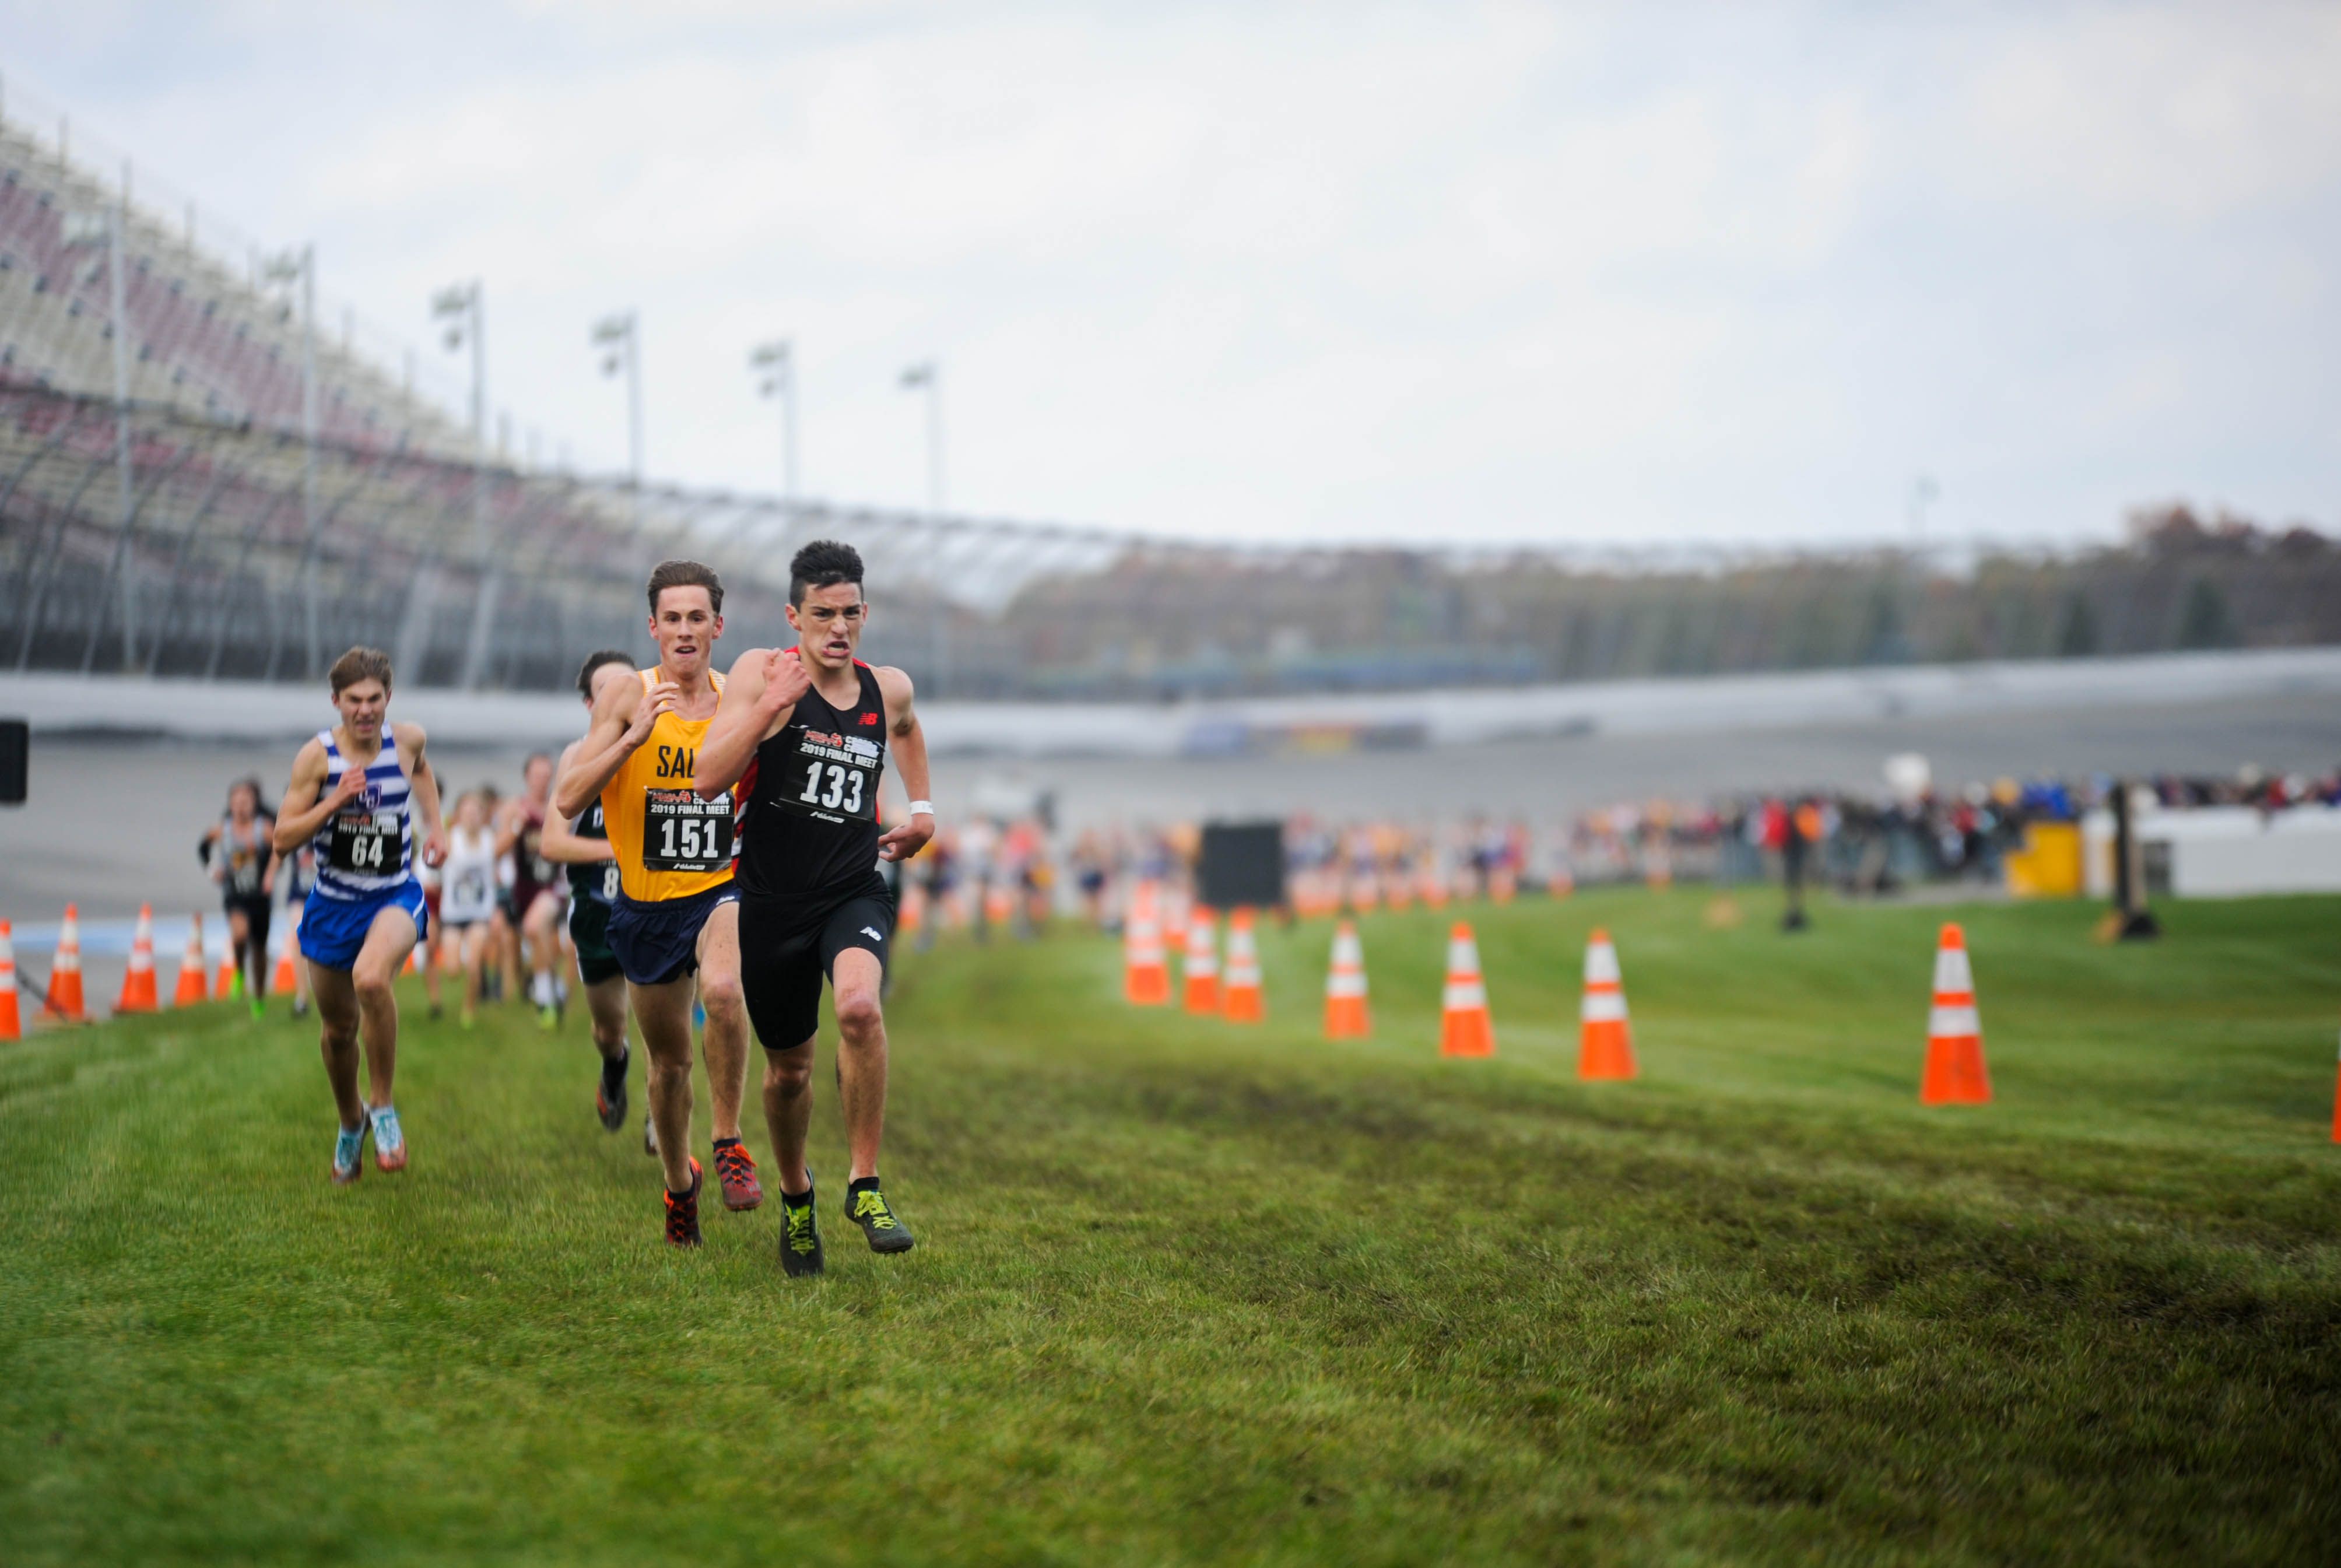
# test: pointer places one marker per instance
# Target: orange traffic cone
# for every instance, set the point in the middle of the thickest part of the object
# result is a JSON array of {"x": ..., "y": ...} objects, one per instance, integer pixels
[
  {"x": 224, "y": 983},
  {"x": 285, "y": 981},
  {"x": 1201, "y": 967},
  {"x": 1345, "y": 987},
  {"x": 1429, "y": 886},
  {"x": 12, "y": 1028},
  {"x": 914, "y": 913},
  {"x": 1239, "y": 1000},
  {"x": 1955, "y": 1071},
  {"x": 12, "y": 1019},
  {"x": 191, "y": 967},
  {"x": 65, "y": 1001},
  {"x": 138, "y": 980},
  {"x": 1604, "y": 1046},
  {"x": 1464, "y": 1027},
  {"x": 1145, "y": 972}
]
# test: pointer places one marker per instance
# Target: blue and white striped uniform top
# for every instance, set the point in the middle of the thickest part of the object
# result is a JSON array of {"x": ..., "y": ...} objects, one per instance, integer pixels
[{"x": 354, "y": 852}]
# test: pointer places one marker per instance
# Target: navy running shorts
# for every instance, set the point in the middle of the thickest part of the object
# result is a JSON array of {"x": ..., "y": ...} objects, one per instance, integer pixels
[{"x": 658, "y": 942}]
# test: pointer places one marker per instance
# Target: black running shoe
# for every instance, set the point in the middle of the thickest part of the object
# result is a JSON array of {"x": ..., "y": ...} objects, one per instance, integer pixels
[
  {"x": 683, "y": 1213},
  {"x": 610, "y": 1096},
  {"x": 866, "y": 1206},
  {"x": 800, "y": 1236}
]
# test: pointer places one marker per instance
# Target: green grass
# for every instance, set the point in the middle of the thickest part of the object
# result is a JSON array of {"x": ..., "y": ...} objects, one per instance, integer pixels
[{"x": 1189, "y": 1293}]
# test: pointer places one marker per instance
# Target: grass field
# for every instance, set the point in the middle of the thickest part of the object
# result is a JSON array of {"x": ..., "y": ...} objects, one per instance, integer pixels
[{"x": 1187, "y": 1293}]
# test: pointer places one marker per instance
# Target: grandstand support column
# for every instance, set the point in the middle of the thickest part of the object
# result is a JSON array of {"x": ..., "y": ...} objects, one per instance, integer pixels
[
  {"x": 928, "y": 375},
  {"x": 464, "y": 310},
  {"x": 283, "y": 269},
  {"x": 87, "y": 231}
]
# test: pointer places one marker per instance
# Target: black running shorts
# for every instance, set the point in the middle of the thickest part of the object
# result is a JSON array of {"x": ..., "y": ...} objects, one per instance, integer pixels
[
  {"x": 589, "y": 929},
  {"x": 786, "y": 947}
]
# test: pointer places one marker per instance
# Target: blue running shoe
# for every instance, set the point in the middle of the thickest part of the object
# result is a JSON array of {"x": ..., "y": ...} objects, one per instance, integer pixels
[
  {"x": 389, "y": 1143},
  {"x": 348, "y": 1151}
]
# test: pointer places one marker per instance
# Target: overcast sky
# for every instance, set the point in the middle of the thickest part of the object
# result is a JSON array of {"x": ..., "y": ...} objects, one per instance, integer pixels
[{"x": 1657, "y": 272}]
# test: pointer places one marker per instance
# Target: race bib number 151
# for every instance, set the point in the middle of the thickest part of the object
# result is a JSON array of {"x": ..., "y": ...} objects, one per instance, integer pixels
[{"x": 683, "y": 833}]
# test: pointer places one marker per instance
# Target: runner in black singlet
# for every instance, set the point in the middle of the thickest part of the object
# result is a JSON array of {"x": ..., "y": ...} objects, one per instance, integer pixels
[
  {"x": 580, "y": 847},
  {"x": 806, "y": 732},
  {"x": 243, "y": 853}
]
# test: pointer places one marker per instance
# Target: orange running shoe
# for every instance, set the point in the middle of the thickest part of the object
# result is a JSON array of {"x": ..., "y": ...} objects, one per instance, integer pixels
[
  {"x": 735, "y": 1173},
  {"x": 683, "y": 1213},
  {"x": 389, "y": 1143}
]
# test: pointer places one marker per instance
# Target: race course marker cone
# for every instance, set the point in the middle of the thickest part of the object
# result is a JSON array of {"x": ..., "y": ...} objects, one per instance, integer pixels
[
  {"x": 1145, "y": 972},
  {"x": 12, "y": 1026},
  {"x": 64, "y": 1000},
  {"x": 1605, "y": 1048},
  {"x": 1202, "y": 965},
  {"x": 1345, "y": 987},
  {"x": 138, "y": 980},
  {"x": 1954, "y": 1070},
  {"x": 1240, "y": 998},
  {"x": 224, "y": 983},
  {"x": 191, "y": 988},
  {"x": 1464, "y": 1027},
  {"x": 285, "y": 981}
]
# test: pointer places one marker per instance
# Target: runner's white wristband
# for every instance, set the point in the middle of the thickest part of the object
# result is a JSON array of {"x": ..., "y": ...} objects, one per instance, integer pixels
[{"x": 922, "y": 808}]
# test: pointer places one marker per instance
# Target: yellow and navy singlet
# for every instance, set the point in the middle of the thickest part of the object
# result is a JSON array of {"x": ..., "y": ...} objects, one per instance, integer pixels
[{"x": 669, "y": 842}]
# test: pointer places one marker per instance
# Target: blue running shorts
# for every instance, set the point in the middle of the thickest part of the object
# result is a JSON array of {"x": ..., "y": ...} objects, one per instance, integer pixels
[{"x": 333, "y": 930}]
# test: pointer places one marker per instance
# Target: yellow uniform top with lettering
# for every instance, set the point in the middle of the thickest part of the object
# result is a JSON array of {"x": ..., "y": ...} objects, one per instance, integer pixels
[{"x": 668, "y": 842}]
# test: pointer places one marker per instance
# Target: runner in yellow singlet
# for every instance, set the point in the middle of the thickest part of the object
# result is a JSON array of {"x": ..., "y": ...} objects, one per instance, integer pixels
[{"x": 675, "y": 920}]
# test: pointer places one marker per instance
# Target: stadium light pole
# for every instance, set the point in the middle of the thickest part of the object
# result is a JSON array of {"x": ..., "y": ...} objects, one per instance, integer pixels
[
  {"x": 619, "y": 340},
  {"x": 776, "y": 363},
  {"x": 103, "y": 226},
  {"x": 464, "y": 310},
  {"x": 282, "y": 269},
  {"x": 928, "y": 375}
]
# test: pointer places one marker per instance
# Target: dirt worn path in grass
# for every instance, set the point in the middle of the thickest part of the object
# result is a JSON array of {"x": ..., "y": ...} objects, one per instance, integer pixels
[{"x": 1187, "y": 1292}]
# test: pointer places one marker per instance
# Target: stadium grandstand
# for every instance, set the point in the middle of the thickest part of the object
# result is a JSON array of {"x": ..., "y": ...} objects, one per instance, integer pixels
[{"x": 169, "y": 508}]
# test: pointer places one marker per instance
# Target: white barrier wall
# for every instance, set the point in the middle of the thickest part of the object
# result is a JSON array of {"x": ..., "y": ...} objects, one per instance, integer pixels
[{"x": 2225, "y": 852}]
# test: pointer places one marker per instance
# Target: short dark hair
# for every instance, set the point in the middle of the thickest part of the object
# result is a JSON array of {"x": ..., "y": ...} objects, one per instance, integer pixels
[
  {"x": 360, "y": 664},
  {"x": 596, "y": 659},
  {"x": 686, "y": 574},
  {"x": 824, "y": 564}
]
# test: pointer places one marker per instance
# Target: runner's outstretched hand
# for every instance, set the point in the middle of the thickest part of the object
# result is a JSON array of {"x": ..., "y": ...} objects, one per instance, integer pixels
[{"x": 903, "y": 842}]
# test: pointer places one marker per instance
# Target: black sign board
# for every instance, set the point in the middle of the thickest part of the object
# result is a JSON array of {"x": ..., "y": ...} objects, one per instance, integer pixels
[{"x": 1243, "y": 865}]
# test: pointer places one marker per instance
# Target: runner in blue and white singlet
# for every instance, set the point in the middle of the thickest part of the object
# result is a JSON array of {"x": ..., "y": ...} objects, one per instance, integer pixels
[
  {"x": 356, "y": 793},
  {"x": 368, "y": 845}
]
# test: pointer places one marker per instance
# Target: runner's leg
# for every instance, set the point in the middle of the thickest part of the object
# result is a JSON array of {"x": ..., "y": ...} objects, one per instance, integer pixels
[
  {"x": 388, "y": 941},
  {"x": 606, "y": 1003},
  {"x": 543, "y": 946},
  {"x": 337, "y": 1031},
  {"x": 788, "y": 1111},
  {"x": 861, "y": 1056},
  {"x": 725, "y": 1040},
  {"x": 239, "y": 931},
  {"x": 662, "y": 1015}
]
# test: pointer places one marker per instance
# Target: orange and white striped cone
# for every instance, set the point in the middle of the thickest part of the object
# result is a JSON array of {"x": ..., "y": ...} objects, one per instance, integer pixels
[
  {"x": 1201, "y": 966},
  {"x": 1345, "y": 987},
  {"x": 285, "y": 982},
  {"x": 224, "y": 983},
  {"x": 64, "y": 1002},
  {"x": 914, "y": 913},
  {"x": 1145, "y": 970},
  {"x": 138, "y": 980},
  {"x": 1465, "y": 1029},
  {"x": 1954, "y": 1072},
  {"x": 1430, "y": 886},
  {"x": 12, "y": 1023},
  {"x": 1398, "y": 889},
  {"x": 1239, "y": 997},
  {"x": 1605, "y": 1045},
  {"x": 191, "y": 988},
  {"x": 1365, "y": 890}
]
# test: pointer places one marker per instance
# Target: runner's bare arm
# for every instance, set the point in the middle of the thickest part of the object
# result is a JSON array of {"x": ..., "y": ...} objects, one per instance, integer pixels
[
  {"x": 908, "y": 743},
  {"x": 305, "y": 810},
  {"x": 561, "y": 843},
  {"x": 424, "y": 784},
  {"x": 759, "y": 695},
  {"x": 622, "y": 720},
  {"x": 275, "y": 857}
]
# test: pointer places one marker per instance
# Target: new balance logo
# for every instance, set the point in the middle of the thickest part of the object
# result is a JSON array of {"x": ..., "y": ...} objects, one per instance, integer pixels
[{"x": 872, "y": 933}]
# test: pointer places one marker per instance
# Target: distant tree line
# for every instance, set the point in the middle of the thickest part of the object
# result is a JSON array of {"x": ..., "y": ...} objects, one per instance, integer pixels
[{"x": 1174, "y": 624}]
